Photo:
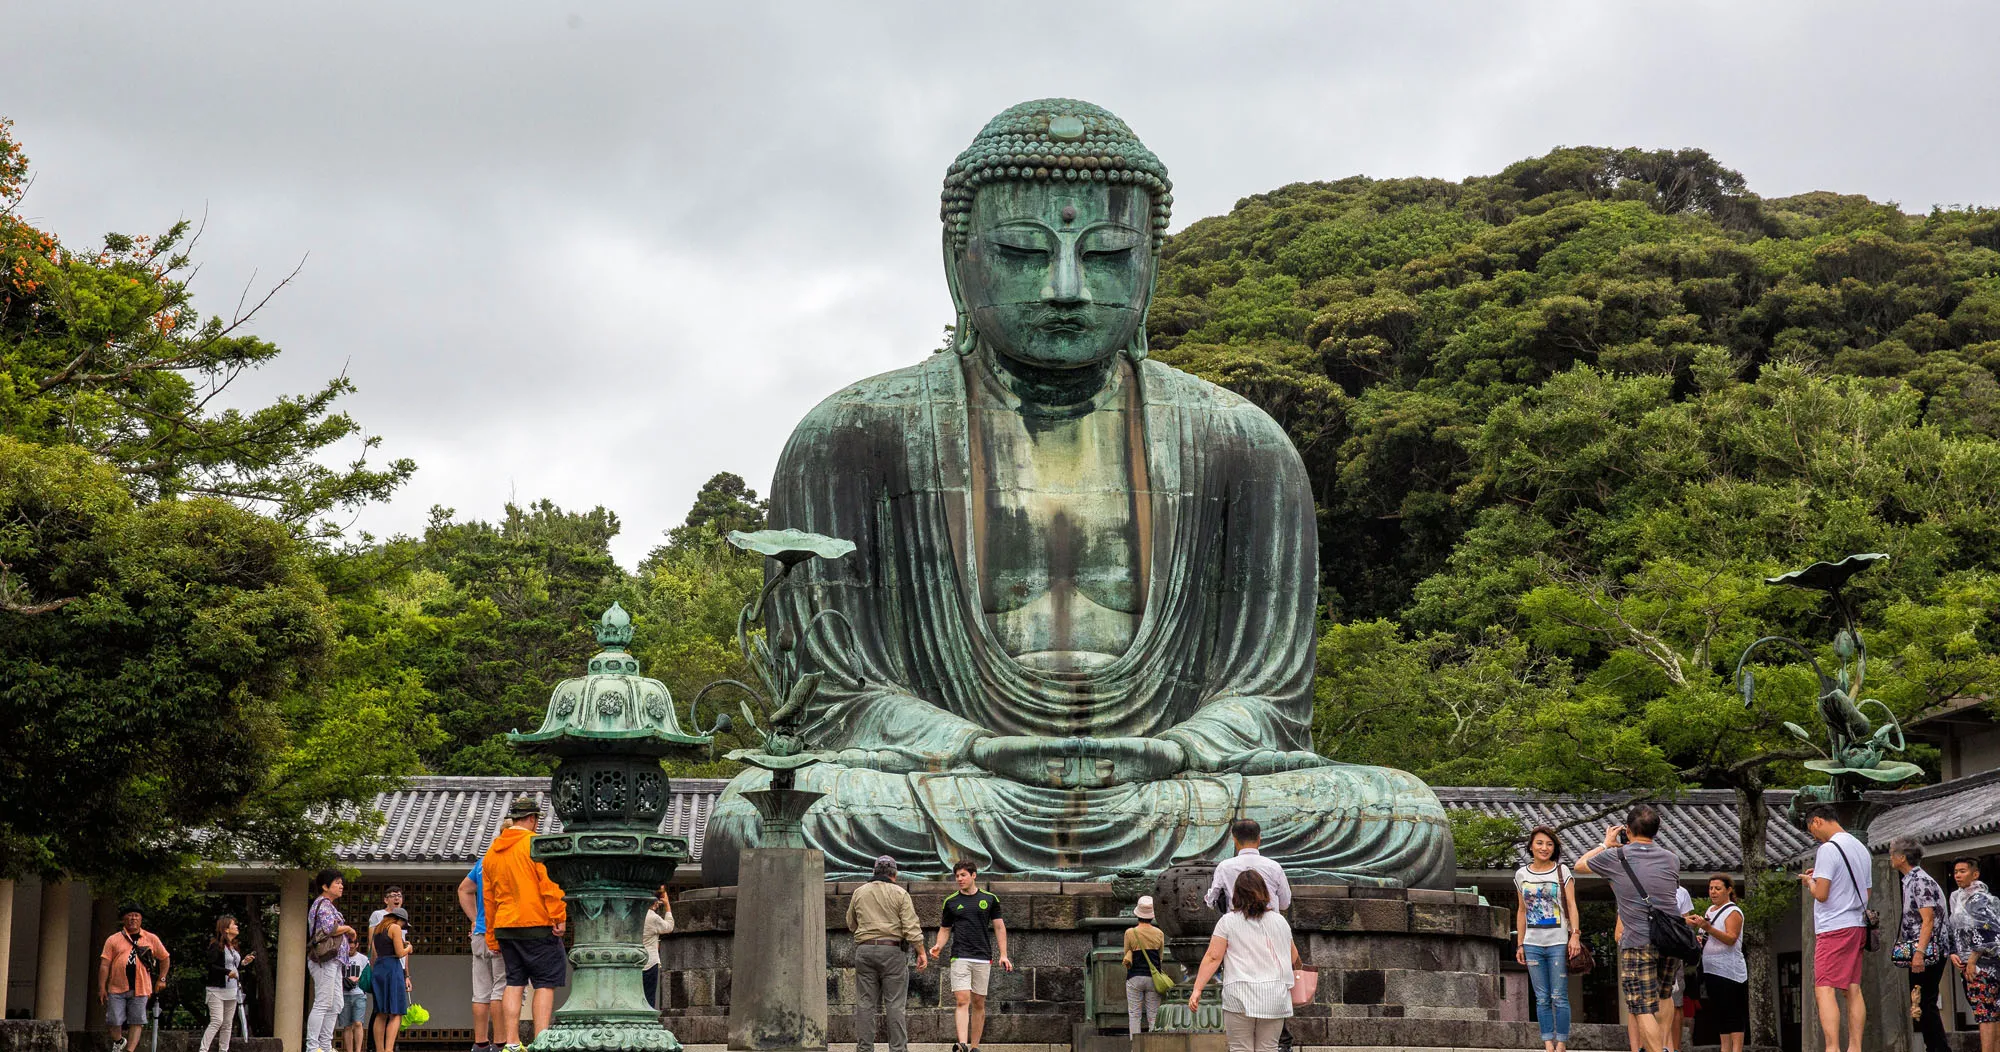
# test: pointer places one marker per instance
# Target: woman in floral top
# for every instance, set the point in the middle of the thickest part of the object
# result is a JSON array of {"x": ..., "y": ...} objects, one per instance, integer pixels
[{"x": 1920, "y": 939}]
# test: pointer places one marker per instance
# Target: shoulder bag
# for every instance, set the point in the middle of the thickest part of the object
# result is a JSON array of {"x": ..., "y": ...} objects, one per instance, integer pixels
[
  {"x": 325, "y": 947},
  {"x": 1581, "y": 960},
  {"x": 1871, "y": 918},
  {"x": 1161, "y": 980},
  {"x": 1671, "y": 934}
]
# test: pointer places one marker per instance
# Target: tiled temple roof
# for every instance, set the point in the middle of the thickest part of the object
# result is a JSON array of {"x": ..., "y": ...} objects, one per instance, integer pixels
[
  {"x": 1700, "y": 825},
  {"x": 1954, "y": 810},
  {"x": 452, "y": 818}
]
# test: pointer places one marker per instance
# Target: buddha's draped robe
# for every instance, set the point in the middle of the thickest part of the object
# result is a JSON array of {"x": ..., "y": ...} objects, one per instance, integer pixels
[{"x": 1222, "y": 662}]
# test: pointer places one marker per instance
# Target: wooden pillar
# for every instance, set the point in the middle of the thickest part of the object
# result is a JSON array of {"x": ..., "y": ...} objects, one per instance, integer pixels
[
  {"x": 6, "y": 938},
  {"x": 290, "y": 1022},
  {"x": 52, "y": 962}
]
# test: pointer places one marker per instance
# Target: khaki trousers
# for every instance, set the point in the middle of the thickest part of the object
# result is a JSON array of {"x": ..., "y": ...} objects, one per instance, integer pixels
[{"x": 881, "y": 978}]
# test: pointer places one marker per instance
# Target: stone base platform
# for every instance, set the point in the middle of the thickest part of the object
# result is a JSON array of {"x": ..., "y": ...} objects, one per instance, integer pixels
[{"x": 1398, "y": 968}]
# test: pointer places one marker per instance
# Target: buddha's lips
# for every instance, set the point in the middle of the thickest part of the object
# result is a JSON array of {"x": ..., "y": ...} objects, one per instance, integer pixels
[{"x": 1065, "y": 324}]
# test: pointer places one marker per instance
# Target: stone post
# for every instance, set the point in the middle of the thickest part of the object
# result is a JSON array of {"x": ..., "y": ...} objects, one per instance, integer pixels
[
  {"x": 777, "y": 985},
  {"x": 1884, "y": 987},
  {"x": 6, "y": 938},
  {"x": 52, "y": 963},
  {"x": 104, "y": 920},
  {"x": 289, "y": 1020}
]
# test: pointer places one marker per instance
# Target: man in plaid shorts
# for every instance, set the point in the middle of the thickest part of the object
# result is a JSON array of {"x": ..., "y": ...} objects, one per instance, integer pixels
[{"x": 1629, "y": 852}]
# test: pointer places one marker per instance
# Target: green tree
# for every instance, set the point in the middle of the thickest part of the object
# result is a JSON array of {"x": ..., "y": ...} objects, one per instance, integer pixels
[
  {"x": 169, "y": 661},
  {"x": 724, "y": 503}
]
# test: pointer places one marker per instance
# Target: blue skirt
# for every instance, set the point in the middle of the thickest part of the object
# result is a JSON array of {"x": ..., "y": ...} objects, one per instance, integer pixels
[{"x": 391, "y": 996}]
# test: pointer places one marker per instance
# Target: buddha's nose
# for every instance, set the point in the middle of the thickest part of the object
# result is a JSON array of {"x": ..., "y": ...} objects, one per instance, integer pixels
[{"x": 1066, "y": 287}]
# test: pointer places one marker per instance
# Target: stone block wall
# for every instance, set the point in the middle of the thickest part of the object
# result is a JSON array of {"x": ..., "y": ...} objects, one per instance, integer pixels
[{"x": 1383, "y": 954}]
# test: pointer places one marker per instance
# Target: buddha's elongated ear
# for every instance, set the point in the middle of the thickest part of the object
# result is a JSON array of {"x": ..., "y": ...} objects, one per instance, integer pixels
[
  {"x": 964, "y": 340},
  {"x": 1136, "y": 349}
]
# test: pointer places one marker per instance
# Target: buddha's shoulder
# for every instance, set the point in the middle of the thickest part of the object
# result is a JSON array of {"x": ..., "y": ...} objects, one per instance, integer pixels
[
  {"x": 895, "y": 392},
  {"x": 1168, "y": 386}
]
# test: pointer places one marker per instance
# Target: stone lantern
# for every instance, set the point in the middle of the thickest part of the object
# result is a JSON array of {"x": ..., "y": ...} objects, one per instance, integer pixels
[{"x": 609, "y": 730}]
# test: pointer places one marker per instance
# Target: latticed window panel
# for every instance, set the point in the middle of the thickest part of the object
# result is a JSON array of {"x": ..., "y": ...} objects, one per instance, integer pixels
[{"x": 437, "y": 924}]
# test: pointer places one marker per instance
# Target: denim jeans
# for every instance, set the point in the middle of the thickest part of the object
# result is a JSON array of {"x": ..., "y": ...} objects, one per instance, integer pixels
[{"x": 1548, "y": 972}]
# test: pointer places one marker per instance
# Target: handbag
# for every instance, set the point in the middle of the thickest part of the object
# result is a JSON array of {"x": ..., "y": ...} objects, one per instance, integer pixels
[
  {"x": 1871, "y": 918},
  {"x": 1581, "y": 960},
  {"x": 1671, "y": 935},
  {"x": 1305, "y": 983}
]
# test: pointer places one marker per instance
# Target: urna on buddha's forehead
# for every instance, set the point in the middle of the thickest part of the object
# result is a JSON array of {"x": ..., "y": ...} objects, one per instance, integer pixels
[{"x": 1054, "y": 141}]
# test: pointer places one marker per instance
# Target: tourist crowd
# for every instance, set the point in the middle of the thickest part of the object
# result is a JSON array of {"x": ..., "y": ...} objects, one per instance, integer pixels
[{"x": 1673, "y": 962}]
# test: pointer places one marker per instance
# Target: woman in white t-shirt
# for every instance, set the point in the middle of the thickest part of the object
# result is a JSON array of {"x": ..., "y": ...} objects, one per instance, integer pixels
[
  {"x": 1253, "y": 946},
  {"x": 1546, "y": 933},
  {"x": 1725, "y": 976}
]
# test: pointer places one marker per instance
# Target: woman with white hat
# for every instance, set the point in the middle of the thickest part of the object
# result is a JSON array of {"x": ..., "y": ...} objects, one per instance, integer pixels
[{"x": 1143, "y": 943}]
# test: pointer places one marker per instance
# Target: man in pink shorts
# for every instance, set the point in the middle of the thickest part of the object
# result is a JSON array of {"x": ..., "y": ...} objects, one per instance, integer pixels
[{"x": 1839, "y": 883}]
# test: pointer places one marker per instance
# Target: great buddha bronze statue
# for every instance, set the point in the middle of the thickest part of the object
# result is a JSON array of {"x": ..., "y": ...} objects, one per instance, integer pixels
[{"x": 1077, "y": 633}]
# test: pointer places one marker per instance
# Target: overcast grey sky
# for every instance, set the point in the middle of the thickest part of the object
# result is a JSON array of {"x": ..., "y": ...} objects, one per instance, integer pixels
[{"x": 598, "y": 252}]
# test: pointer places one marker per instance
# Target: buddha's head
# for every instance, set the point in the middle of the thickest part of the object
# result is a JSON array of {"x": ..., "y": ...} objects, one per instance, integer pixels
[{"x": 1053, "y": 220}]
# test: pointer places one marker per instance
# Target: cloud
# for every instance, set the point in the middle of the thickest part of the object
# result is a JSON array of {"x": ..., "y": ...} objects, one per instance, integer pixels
[{"x": 601, "y": 251}]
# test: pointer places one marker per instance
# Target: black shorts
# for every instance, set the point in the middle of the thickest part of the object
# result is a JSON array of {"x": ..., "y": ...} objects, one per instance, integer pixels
[{"x": 540, "y": 962}]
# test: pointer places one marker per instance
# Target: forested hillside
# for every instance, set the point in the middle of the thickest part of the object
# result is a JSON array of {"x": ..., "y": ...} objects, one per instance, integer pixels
[{"x": 1563, "y": 419}]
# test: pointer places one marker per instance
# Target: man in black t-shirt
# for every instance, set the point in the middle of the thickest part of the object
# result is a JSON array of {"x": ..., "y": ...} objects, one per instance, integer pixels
[{"x": 968, "y": 913}]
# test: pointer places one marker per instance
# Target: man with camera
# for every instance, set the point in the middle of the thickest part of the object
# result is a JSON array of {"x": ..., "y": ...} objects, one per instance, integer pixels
[
  {"x": 1639, "y": 871},
  {"x": 132, "y": 966}
]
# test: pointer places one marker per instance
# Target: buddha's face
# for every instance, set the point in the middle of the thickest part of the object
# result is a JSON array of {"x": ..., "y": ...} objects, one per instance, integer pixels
[{"x": 1056, "y": 275}]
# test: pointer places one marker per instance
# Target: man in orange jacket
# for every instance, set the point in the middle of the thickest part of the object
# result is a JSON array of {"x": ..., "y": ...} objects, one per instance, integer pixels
[{"x": 524, "y": 922}]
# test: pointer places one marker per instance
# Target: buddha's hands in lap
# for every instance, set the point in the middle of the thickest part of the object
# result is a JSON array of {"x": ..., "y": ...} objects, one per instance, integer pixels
[{"x": 1079, "y": 763}]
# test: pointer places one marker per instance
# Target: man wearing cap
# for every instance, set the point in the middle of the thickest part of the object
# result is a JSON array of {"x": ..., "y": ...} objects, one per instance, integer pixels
[
  {"x": 884, "y": 923},
  {"x": 525, "y": 917},
  {"x": 125, "y": 979}
]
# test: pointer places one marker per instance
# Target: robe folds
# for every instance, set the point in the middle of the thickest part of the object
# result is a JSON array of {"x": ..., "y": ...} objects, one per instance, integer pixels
[{"x": 1221, "y": 664}]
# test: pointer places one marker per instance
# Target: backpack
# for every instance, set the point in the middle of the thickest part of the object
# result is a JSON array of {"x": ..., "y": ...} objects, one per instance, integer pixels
[{"x": 1671, "y": 935}]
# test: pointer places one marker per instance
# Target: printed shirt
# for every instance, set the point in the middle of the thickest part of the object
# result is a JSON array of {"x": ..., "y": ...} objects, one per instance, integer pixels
[
  {"x": 1224, "y": 884},
  {"x": 1543, "y": 916},
  {"x": 1920, "y": 889},
  {"x": 1974, "y": 925},
  {"x": 970, "y": 918},
  {"x": 128, "y": 976},
  {"x": 324, "y": 917}
]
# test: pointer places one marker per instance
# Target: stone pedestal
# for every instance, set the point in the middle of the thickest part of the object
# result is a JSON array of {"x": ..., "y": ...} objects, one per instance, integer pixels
[
  {"x": 1185, "y": 1041},
  {"x": 777, "y": 958},
  {"x": 1397, "y": 968}
]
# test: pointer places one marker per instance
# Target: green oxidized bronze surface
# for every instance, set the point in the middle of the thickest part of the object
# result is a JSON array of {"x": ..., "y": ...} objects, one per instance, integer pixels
[
  {"x": 1856, "y": 748},
  {"x": 611, "y": 728},
  {"x": 1076, "y": 633}
]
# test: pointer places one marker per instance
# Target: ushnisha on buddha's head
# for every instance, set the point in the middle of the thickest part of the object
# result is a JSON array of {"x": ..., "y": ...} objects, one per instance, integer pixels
[{"x": 1053, "y": 220}]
